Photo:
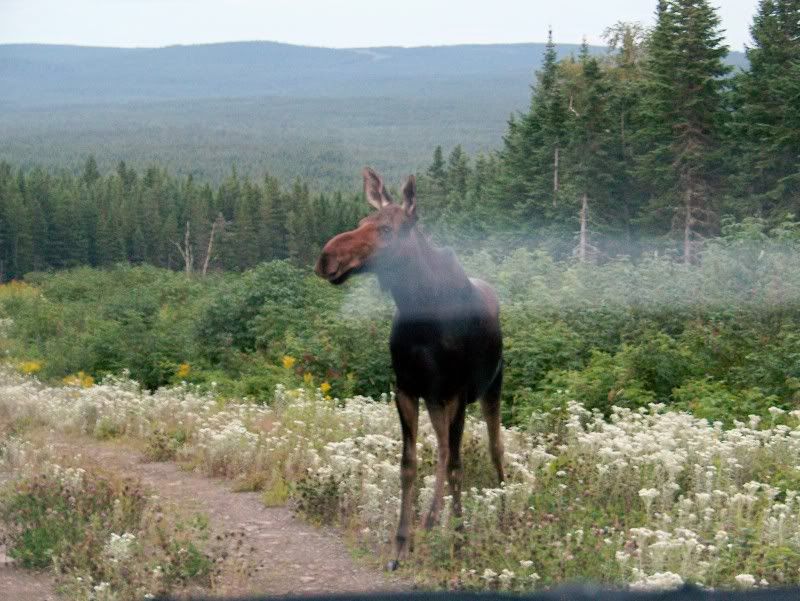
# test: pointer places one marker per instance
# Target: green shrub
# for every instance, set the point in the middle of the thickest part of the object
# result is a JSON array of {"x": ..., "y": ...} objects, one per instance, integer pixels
[{"x": 66, "y": 514}]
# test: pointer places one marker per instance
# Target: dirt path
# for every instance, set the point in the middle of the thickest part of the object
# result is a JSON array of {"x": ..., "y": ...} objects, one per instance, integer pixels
[
  {"x": 23, "y": 585},
  {"x": 290, "y": 556}
]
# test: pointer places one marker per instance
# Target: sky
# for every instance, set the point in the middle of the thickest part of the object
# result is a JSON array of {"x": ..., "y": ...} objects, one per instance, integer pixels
[{"x": 333, "y": 23}]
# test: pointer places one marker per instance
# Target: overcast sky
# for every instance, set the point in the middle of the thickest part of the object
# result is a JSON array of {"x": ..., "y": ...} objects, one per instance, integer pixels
[{"x": 335, "y": 23}]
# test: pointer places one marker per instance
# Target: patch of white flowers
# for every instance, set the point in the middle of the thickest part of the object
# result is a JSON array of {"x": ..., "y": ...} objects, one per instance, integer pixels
[
  {"x": 119, "y": 547},
  {"x": 655, "y": 582},
  {"x": 697, "y": 487}
]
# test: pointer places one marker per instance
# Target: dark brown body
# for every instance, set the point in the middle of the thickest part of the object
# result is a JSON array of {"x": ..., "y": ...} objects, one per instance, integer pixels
[
  {"x": 451, "y": 347},
  {"x": 446, "y": 343}
]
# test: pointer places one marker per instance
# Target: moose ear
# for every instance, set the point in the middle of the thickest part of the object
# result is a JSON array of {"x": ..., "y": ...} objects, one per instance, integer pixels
[
  {"x": 374, "y": 190},
  {"x": 410, "y": 197}
]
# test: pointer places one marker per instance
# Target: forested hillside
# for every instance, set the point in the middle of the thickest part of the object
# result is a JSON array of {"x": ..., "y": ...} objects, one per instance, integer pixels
[
  {"x": 636, "y": 150},
  {"x": 317, "y": 113},
  {"x": 56, "y": 75}
]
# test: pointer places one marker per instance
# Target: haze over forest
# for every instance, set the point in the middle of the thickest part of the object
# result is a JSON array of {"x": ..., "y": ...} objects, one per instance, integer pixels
[{"x": 317, "y": 113}]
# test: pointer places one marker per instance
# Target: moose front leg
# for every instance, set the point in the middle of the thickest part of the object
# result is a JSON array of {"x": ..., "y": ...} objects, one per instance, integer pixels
[
  {"x": 440, "y": 419},
  {"x": 455, "y": 472},
  {"x": 408, "y": 409}
]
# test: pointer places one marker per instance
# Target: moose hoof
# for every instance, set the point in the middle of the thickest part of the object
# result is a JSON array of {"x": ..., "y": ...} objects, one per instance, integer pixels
[{"x": 392, "y": 565}]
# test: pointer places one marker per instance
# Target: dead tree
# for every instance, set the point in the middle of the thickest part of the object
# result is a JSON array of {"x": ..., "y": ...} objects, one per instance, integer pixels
[
  {"x": 186, "y": 251},
  {"x": 219, "y": 220},
  {"x": 584, "y": 250},
  {"x": 695, "y": 219},
  {"x": 555, "y": 176}
]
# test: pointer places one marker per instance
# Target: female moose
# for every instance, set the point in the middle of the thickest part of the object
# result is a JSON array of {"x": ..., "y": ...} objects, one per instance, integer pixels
[{"x": 446, "y": 344}]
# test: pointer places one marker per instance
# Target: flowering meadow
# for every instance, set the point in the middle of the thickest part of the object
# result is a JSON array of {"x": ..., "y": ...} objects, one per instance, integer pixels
[
  {"x": 105, "y": 537},
  {"x": 645, "y": 498}
]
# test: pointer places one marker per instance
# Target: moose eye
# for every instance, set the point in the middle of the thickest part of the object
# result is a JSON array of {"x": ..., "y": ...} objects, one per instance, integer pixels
[{"x": 385, "y": 231}]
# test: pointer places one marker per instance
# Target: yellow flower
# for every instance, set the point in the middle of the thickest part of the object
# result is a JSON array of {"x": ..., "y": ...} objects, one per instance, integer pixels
[
  {"x": 288, "y": 362},
  {"x": 325, "y": 388},
  {"x": 81, "y": 379},
  {"x": 183, "y": 370},
  {"x": 308, "y": 378},
  {"x": 30, "y": 367}
]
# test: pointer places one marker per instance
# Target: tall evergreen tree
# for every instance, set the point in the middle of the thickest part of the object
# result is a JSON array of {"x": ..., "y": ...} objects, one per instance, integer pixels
[
  {"x": 626, "y": 42},
  {"x": 437, "y": 173},
  {"x": 683, "y": 113},
  {"x": 766, "y": 129},
  {"x": 530, "y": 177},
  {"x": 589, "y": 151},
  {"x": 90, "y": 171}
]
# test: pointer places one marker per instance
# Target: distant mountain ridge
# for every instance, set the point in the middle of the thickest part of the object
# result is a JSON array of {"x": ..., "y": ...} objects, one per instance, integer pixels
[
  {"x": 34, "y": 74},
  {"x": 318, "y": 113}
]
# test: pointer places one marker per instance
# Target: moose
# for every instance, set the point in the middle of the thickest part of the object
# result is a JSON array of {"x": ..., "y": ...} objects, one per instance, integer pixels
[{"x": 446, "y": 343}]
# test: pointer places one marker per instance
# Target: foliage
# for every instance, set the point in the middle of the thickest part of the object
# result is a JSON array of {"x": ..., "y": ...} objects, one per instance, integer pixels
[
  {"x": 105, "y": 537},
  {"x": 644, "y": 498},
  {"x": 624, "y": 333}
]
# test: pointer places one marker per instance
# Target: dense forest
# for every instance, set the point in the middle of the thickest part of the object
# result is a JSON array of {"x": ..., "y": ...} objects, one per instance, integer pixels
[{"x": 646, "y": 148}]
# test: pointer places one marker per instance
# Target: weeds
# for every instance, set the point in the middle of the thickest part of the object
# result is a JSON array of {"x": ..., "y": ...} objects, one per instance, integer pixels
[
  {"x": 105, "y": 537},
  {"x": 647, "y": 498}
]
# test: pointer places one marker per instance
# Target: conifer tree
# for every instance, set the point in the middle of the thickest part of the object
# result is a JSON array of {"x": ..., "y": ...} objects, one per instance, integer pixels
[
  {"x": 682, "y": 116},
  {"x": 457, "y": 172},
  {"x": 766, "y": 128},
  {"x": 437, "y": 173},
  {"x": 90, "y": 172},
  {"x": 589, "y": 151},
  {"x": 530, "y": 177},
  {"x": 626, "y": 42}
]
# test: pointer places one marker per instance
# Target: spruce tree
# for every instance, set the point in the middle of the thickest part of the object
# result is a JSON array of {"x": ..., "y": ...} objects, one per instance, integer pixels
[
  {"x": 766, "y": 131},
  {"x": 531, "y": 163},
  {"x": 437, "y": 173},
  {"x": 90, "y": 172},
  {"x": 683, "y": 117},
  {"x": 458, "y": 172},
  {"x": 589, "y": 151},
  {"x": 626, "y": 42}
]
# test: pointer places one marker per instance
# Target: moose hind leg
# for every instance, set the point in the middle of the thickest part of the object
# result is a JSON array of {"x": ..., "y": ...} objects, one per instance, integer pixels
[
  {"x": 408, "y": 410},
  {"x": 490, "y": 405}
]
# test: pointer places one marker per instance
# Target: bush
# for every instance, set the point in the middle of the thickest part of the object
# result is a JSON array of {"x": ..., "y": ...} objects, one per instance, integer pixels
[
  {"x": 101, "y": 533},
  {"x": 617, "y": 333}
]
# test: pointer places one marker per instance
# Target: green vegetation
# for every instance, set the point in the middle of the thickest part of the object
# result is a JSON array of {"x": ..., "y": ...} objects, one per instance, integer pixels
[
  {"x": 630, "y": 152},
  {"x": 106, "y": 537},
  {"x": 719, "y": 338},
  {"x": 651, "y": 204},
  {"x": 646, "y": 499}
]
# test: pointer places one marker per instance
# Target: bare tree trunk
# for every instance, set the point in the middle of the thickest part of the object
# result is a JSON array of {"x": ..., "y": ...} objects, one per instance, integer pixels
[
  {"x": 687, "y": 228},
  {"x": 584, "y": 236},
  {"x": 555, "y": 176},
  {"x": 186, "y": 251},
  {"x": 210, "y": 245}
]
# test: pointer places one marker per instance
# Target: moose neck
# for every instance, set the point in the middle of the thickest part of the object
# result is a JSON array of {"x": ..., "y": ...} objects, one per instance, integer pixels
[{"x": 424, "y": 281}]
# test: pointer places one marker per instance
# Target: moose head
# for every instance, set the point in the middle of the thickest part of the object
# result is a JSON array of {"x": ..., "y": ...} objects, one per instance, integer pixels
[{"x": 379, "y": 238}]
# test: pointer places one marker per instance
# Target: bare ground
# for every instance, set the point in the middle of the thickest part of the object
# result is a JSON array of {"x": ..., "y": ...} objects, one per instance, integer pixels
[
  {"x": 283, "y": 554},
  {"x": 24, "y": 585}
]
